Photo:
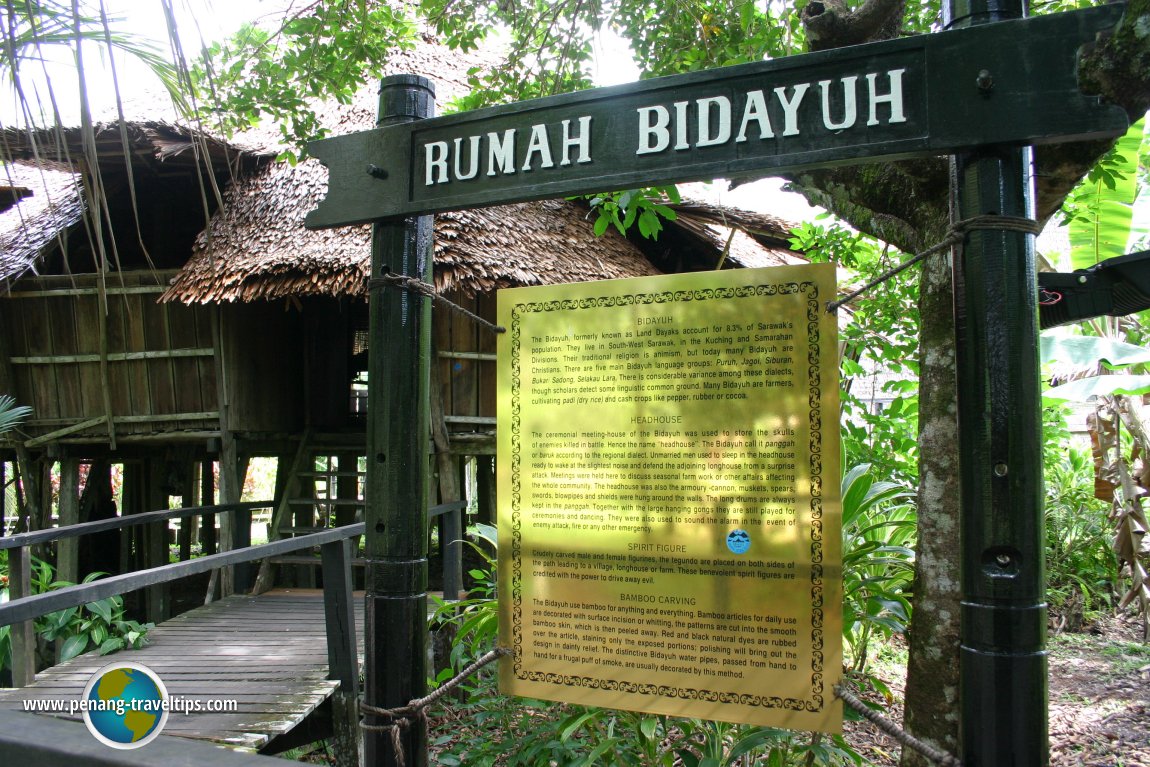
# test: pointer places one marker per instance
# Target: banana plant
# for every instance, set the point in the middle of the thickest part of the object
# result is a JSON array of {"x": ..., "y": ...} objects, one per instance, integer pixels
[
  {"x": 1107, "y": 364},
  {"x": 1100, "y": 210}
]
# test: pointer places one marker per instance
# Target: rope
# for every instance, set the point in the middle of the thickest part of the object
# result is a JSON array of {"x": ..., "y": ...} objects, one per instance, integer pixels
[
  {"x": 896, "y": 732},
  {"x": 954, "y": 236},
  {"x": 416, "y": 710},
  {"x": 419, "y": 287}
]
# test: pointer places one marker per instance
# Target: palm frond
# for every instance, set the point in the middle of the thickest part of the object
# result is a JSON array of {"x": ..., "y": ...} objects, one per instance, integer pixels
[{"x": 11, "y": 414}]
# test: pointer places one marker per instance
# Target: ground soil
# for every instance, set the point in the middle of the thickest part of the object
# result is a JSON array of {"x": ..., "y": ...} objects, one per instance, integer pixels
[{"x": 1099, "y": 710}]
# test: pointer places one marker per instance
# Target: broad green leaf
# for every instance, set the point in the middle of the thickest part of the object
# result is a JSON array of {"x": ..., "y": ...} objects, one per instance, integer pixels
[
  {"x": 602, "y": 748},
  {"x": 61, "y": 618},
  {"x": 112, "y": 644},
  {"x": 756, "y": 738},
  {"x": 852, "y": 368},
  {"x": 103, "y": 608},
  {"x": 73, "y": 646},
  {"x": 854, "y": 493},
  {"x": 1081, "y": 352},
  {"x": 1099, "y": 386},
  {"x": 1104, "y": 204},
  {"x": 485, "y": 532},
  {"x": 575, "y": 723}
]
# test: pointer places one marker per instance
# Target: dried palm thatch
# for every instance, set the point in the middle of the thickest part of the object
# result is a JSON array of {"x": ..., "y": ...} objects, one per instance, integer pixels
[
  {"x": 152, "y": 141},
  {"x": 44, "y": 162},
  {"x": 42, "y": 205},
  {"x": 257, "y": 247},
  {"x": 749, "y": 239}
]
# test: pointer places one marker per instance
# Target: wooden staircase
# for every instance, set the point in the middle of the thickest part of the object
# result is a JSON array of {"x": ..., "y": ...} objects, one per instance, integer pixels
[{"x": 324, "y": 489}]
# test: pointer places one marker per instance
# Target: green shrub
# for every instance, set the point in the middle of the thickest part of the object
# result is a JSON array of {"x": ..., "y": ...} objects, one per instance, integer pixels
[
  {"x": 1081, "y": 567},
  {"x": 98, "y": 625},
  {"x": 878, "y": 561}
]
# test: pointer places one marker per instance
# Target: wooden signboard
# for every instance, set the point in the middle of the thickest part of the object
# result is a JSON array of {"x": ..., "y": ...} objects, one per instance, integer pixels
[{"x": 934, "y": 94}]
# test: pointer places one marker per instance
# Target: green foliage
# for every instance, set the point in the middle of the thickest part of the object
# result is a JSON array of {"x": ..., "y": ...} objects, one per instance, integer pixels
[
  {"x": 835, "y": 244},
  {"x": 549, "y": 45},
  {"x": 670, "y": 38},
  {"x": 494, "y": 729},
  {"x": 1081, "y": 568},
  {"x": 647, "y": 207},
  {"x": 329, "y": 51},
  {"x": 1100, "y": 210},
  {"x": 880, "y": 358},
  {"x": 98, "y": 625},
  {"x": 1109, "y": 366},
  {"x": 475, "y": 620},
  {"x": 10, "y": 414},
  {"x": 549, "y": 51},
  {"x": 878, "y": 561}
]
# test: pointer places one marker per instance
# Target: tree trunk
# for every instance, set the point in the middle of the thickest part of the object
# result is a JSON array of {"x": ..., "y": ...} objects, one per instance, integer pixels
[{"x": 931, "y": 700}]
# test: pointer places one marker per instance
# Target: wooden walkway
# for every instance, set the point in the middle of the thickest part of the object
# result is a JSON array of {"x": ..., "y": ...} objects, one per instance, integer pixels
[{"x": 268, "y": 653}]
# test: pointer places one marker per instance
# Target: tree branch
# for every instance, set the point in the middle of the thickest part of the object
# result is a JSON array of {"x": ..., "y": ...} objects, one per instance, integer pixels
[
  {"x": 831, "y": 24},
  {"x": 904, "y": 203},
  {"x": 1117, "y": 67}
]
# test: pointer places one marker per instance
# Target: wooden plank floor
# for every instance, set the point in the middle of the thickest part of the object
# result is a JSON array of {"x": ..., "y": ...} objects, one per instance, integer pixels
[{"x": 267, "y": 652}]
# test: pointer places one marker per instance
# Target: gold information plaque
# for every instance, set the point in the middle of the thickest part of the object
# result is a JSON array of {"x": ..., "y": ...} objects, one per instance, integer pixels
[{"x": 669, "y": 512}]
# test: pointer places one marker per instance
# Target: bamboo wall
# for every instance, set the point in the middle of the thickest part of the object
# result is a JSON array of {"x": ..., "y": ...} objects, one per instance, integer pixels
[
  {"x": 264, "y": 367},
  {"x": 81, "y": 353}
]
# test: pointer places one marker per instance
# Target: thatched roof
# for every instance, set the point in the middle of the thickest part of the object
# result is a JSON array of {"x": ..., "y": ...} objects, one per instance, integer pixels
[
  {"x": 533, "y": 243},
  {"x": 256, "y": 246},
  {"x": 753, "y": 239},
  {"x": 49, "y": 201},
  {"x": 43, "y": 162},
  {"x": 162, "y": 147}
]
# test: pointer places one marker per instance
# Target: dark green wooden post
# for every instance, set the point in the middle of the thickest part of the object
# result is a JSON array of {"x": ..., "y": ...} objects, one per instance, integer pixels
[
  {"x": 342, "y": 658},
  {"x": 1003, "y": 659},
  {"x": 395, "y": 646},
  {"x": 22, "y": 635}
]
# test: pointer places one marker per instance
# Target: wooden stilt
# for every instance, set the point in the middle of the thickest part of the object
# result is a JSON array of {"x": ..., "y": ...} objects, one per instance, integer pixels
[
  {"x": 67, "y": 550},
  {"x": 22, "y": 636},
  {"x": 450, "y": 525}
]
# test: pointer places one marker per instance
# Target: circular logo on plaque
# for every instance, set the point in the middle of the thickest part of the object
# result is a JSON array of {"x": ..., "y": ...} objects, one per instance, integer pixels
[
  {"x": 738, "y": 541},
  {"x": 124, "y": 705}
]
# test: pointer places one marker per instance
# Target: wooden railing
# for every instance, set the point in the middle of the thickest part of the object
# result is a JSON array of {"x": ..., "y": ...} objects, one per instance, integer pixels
[
  {"x": 335, "y": 555},
  {"x": 19, "y": 548},
  {"x": 339, "y": 610}
]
